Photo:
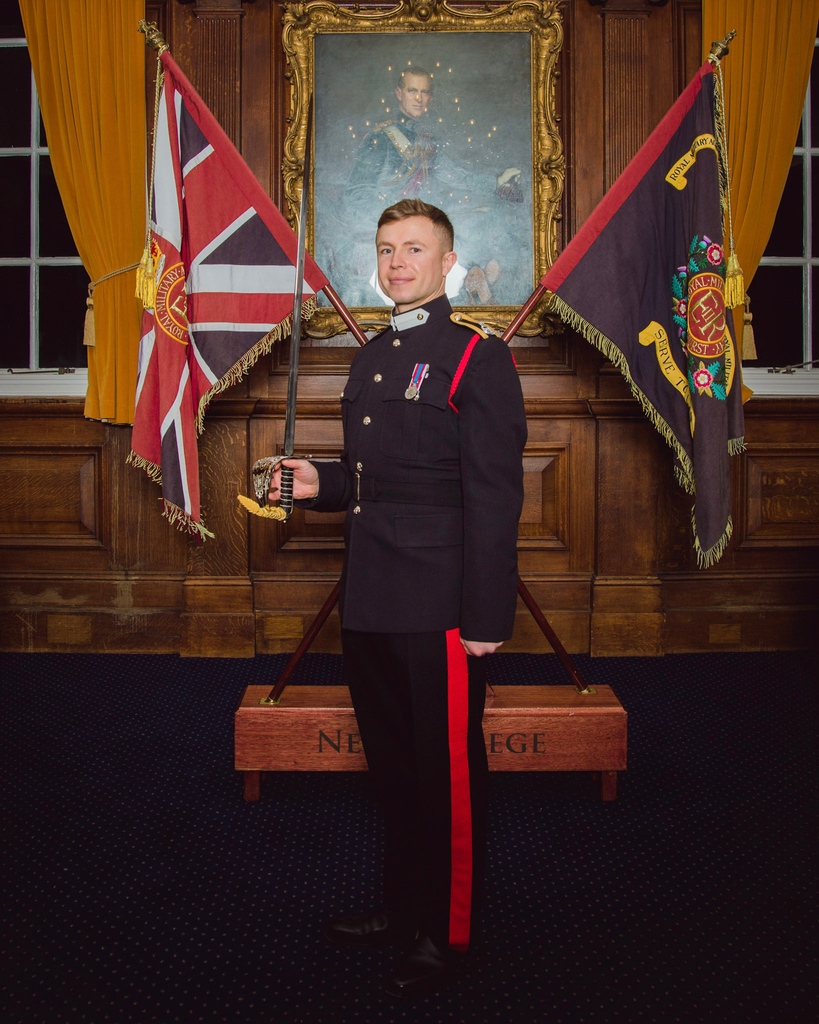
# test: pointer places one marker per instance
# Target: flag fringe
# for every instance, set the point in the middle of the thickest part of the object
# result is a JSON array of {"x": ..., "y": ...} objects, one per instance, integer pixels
[
  {"x": 684, "y": 470},
  {"x": 685, "y": 482},
  {"x": 154, "y": 472},
  {"x": 249, "y": 359},
  {"x": 182, "y": 520},
  {"x": 736, "y": 445},
  {"x": 716, "y": 551}
]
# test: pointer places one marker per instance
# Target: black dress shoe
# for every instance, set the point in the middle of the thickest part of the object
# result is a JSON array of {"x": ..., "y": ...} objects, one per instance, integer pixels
[
  {"x": 421, "y": 971},
  {"x": 367, "y": 931}
]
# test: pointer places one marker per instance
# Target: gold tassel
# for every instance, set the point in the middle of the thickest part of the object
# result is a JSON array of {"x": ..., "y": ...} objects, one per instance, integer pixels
[
  {"x": 265, "y": 511},
  {"x": 748, "y": 340},
  {"x": 734, "y": 282},
  {"x": 146, "y": 280},
  {"x": 89, "y": 334}
]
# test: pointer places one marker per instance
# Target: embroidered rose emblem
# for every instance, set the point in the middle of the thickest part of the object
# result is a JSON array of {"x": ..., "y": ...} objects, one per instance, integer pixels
[
  {"x": 703, "y": 378},
  {"x": 714, "y": 254}
]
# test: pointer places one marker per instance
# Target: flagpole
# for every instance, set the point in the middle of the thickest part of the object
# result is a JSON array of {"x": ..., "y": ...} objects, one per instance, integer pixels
[
  {"x": 345, "y": 314},
  {"x": 524, "y": 311}
]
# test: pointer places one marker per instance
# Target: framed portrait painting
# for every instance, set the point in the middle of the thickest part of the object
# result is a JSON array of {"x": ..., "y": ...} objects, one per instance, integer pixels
[{"x": 454, "y": 106}]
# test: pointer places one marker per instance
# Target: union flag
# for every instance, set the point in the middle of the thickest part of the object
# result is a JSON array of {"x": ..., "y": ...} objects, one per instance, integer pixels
[
  {"x": 224, "y": 267},
  {"x": 644, "y": 281}
]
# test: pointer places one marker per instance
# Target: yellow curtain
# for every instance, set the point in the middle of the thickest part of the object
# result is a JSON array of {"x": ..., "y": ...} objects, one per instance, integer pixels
[
  {"x": 766, "y": 75},
  {"x": 89, "y": 65}
]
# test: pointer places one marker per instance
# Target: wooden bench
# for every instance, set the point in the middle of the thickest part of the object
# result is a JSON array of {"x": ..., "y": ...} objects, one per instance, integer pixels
[{"x": 526, "y": 728}]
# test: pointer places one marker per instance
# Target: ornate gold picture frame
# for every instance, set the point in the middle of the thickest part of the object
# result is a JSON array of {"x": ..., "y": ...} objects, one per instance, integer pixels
[{"x": 483, "y": 145}]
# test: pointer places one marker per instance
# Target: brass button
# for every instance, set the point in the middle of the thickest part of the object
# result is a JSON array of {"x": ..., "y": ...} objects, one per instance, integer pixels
[
  {"x": 377, "y": 378},
  {"x": 366, "y": 421},
  {"x": 420, "y": 316},
  {"x": 396, "y": 342},
  {"x": 356, "y": 510},
  {"x": 358, "y": 466}
]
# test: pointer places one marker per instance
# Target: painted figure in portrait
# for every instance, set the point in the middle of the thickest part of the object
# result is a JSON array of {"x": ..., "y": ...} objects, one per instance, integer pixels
[{"x": 426, "y": 141}]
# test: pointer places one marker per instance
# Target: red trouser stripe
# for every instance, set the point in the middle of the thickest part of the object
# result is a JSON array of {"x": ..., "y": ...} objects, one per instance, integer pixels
[{"x": 460, "y": 890}]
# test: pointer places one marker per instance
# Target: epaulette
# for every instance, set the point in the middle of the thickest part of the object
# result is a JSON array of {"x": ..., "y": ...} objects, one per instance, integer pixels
[
  {"x": 384, "y": 124},
  {"x": 475, "y": 325}
]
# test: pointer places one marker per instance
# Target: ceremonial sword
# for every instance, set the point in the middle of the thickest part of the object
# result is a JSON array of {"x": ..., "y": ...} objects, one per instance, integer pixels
[
  {"x": 286, "y": 488},
  {"x": 263, "y": 469}
]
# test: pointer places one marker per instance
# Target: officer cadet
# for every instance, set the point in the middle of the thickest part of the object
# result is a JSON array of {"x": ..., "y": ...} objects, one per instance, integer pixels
[{"x": 431, "y": 481}]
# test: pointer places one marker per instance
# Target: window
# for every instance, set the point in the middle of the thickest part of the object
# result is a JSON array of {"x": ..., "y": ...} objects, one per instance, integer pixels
[
  {"x": 43, "y": 284},
  {"x": 785, "y": 289}
]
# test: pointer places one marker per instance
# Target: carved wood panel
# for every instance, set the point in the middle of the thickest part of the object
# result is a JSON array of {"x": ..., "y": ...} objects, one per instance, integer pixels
[
  {"x": 781, "y": 497},
  {"x": 624, "y": 88},
  {"x": 544, "y": 521},
  {"x": 51, "y": 499}
]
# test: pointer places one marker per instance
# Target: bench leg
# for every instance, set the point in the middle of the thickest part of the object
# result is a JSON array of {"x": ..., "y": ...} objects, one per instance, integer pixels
[
  {"x": 253, "y": 782},
  {"x": 608, "y": 785}
]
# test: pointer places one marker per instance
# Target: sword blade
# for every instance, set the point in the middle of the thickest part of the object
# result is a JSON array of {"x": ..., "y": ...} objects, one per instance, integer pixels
[{"x": 286, "y": 496}]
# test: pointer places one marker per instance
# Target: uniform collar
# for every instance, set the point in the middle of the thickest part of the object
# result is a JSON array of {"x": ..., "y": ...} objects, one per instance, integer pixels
[{"x": 418, "y": 316}]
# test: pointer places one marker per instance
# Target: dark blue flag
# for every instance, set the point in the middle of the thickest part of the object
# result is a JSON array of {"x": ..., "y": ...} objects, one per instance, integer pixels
[{"x": 644, "y": 281}]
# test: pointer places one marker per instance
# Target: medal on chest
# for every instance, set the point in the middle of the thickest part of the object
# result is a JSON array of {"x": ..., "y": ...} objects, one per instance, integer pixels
[{"x": 419, "y": 374}]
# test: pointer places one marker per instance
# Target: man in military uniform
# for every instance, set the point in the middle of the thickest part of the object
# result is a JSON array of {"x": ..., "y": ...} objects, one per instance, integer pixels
[
  {"x": 398, "y": 155},
  {"x": 404, "y": 157},
  {"x": 431, "y": 480}
]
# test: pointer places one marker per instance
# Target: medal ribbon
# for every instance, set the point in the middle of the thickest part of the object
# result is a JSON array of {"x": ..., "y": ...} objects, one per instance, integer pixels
[{"x": 418, "y": 375}]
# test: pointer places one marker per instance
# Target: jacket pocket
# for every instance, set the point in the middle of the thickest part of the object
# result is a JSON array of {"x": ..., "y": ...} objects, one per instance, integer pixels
[
  {"x": 351, "y": 389},
  {"x": 414, "y": 428},
  {"x": 443, "y": 530}
]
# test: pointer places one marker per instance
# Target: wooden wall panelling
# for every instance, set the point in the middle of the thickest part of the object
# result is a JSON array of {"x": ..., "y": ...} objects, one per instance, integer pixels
[
  {"x": 219, "y": 64},
  {"x": 582, "y": 85},
  {"x": 556, "y": 545},
  {"x": 63, "y": 586},
  {"x": 625, "y": 121},
  {"x": 688, "y": 41},
  {"x": 263, "y": 95},
  {"x": 218, "y": 619},
  {"x": 724, "y": 610},
  {"x": 627, "y": 609},
  {"x": 764, "y": 592}
]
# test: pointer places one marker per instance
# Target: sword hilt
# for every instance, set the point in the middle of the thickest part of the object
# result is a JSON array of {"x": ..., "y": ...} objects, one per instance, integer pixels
[
  {"x": 262, "y": 473},
  {"x": 286, "y": 491}
]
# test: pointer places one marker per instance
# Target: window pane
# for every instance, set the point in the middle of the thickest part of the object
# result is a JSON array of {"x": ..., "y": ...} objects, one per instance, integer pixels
[
  {"x": 15, "y": 192},
  {"x": 14, "y": 289},
  {"x": 786, "y": 237},
  {"x": 776, "y": 305},
  {"x": 814, "y": 98},
  {"x": 63, "y": 291},
  {"x": 15, "y": 89},
  {"x": 814, "y": 174},
  {"x": 11, "y": 21},
  {"x": 55, "y": 237}
]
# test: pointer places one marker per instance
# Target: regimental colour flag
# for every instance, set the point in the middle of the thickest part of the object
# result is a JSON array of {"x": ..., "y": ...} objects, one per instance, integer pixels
[
  {"x": 644, "y": 281},
  {"x": 221, "y": 282}
]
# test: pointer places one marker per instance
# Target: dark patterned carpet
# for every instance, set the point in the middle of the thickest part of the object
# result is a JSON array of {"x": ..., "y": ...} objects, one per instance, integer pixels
[{"x": 140, "y": 887}]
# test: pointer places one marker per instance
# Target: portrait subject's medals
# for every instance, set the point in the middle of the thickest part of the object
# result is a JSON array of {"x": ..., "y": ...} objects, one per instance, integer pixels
[{"x": 418, "y": 374}]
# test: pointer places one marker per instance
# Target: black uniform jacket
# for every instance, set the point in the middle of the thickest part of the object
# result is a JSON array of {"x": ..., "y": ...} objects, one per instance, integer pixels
[{"x": 433, "y": 496}]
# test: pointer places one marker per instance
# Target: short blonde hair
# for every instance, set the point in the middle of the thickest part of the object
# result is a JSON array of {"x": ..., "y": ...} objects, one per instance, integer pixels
[{"x": 418, "y": 208}]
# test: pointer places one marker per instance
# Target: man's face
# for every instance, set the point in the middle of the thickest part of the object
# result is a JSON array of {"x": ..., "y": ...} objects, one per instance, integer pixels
[
  {"x": 412, "y": 262},
  {"x": 414, "y": 94}
]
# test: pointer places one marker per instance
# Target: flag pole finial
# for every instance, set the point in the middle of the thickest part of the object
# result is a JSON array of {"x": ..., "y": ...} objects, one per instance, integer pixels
[
  {"x": 153, "y": 37},
  {"x": 719, "y": 48}
]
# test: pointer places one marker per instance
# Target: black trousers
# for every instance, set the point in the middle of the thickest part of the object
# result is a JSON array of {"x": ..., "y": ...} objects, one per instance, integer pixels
[{"x": 419, "y": 702}]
